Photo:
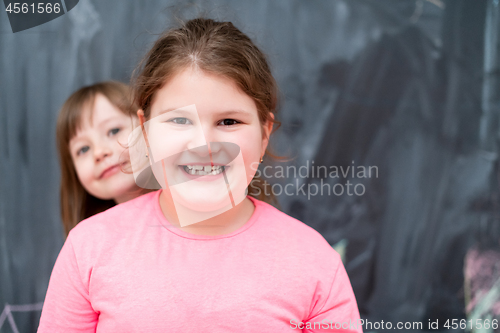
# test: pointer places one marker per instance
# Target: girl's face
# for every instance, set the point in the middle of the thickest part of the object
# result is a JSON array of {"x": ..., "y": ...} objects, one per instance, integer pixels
[
  {"x": 206, "y": 138},
  {"x": 97, "y": 154}
]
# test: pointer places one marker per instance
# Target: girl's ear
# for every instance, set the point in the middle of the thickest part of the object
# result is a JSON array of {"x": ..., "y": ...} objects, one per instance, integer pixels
[{"x": 268, "y": 127}]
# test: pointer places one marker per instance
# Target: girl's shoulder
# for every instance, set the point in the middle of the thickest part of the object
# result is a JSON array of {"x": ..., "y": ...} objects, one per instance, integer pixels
[
  {"x": 295, "y": 244},
  {"x": 289, "y": 229},
  {"x": 116, "y": 220}
]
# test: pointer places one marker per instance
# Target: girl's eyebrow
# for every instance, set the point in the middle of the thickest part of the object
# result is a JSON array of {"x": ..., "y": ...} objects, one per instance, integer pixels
[
  {"x": 80, "y": 136},
  {"x": 239, "y": 112},
  {"x": 107, "y": 120},
  {"x": 77, "y": 138},
  {"x": 222, "y": 113},
  {"x": 168, "y": 110}
]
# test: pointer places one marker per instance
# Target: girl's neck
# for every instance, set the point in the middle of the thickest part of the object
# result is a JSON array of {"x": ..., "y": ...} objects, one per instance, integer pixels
[
  {"x": 225, "y": 223},
  {"x": 129, "y": 195}
]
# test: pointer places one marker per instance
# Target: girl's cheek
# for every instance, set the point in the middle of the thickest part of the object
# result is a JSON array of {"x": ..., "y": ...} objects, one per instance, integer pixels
[
  {"x": 122, "y": 139},
  {"x": 251, "y": 145},
  {"x": 81, "y": 176},
  {"x": 83, "y": 168},
  {"x": 125, "y": 133}
]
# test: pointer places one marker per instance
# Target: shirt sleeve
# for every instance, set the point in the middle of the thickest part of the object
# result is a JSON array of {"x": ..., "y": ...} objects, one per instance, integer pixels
[
  {"x": 339, "y": 313},
  {"x": 67, "y": 306}
]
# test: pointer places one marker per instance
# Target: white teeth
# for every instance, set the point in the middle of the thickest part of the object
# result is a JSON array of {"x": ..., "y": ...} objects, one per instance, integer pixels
[{"x": 203, "y": 170}]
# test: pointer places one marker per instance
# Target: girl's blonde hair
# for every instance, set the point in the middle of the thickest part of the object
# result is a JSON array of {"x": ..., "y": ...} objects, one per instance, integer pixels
[
  {"x": 218, "y": 48},
  {"x": 76, "y": 203}
]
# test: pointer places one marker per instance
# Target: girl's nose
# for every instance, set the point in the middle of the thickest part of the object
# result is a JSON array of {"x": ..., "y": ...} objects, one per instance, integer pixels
[
  {"x": 215, "y": 146},
  {"x": 213, "y": 140},
  {"x": 101, "y": 152},
  {"x": 198, "y": 138}
]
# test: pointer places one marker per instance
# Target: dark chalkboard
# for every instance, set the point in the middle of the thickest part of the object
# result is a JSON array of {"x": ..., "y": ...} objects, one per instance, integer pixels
[{"x": 409, "y": 88}]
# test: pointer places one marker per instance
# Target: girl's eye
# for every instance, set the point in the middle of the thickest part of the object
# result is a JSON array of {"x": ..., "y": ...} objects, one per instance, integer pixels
[
  {"x": 229, "y": 122},
  {"x": 114, "y": 131},
  {"x": 180, "y": 121},
  {"x": 82, "y": 150}
]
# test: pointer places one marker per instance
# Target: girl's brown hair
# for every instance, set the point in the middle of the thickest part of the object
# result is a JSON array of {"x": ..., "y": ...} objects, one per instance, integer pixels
[
  {"x": 76, "y": 203},
  {"x": 217, "y": 48}
]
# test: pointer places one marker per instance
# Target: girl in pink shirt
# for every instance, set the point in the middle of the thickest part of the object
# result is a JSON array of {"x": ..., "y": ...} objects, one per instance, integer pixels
[{"x": 199, "y": 254}]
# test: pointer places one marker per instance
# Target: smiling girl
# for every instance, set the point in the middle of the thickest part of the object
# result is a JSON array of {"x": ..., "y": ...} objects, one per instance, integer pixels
[
  {"x": 199, "y": 255},
  {"x": 92, "y": 128}
]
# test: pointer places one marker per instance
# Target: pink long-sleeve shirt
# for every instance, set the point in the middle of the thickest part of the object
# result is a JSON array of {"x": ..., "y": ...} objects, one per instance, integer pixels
[{"x": 129, "y": 270}]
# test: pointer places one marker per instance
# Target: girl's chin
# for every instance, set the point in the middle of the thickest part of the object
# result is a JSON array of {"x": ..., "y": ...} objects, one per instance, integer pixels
[{"x": 202, "y": 201}]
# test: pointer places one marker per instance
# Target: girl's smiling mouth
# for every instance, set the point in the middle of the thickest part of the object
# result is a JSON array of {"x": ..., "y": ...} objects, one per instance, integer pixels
[{"x": 203, "y": 172}]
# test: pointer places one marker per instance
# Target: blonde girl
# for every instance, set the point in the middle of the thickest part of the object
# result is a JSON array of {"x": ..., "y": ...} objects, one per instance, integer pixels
[
  {"x": 164, "y": 262},
  {"x": 92, "y": 128}
]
